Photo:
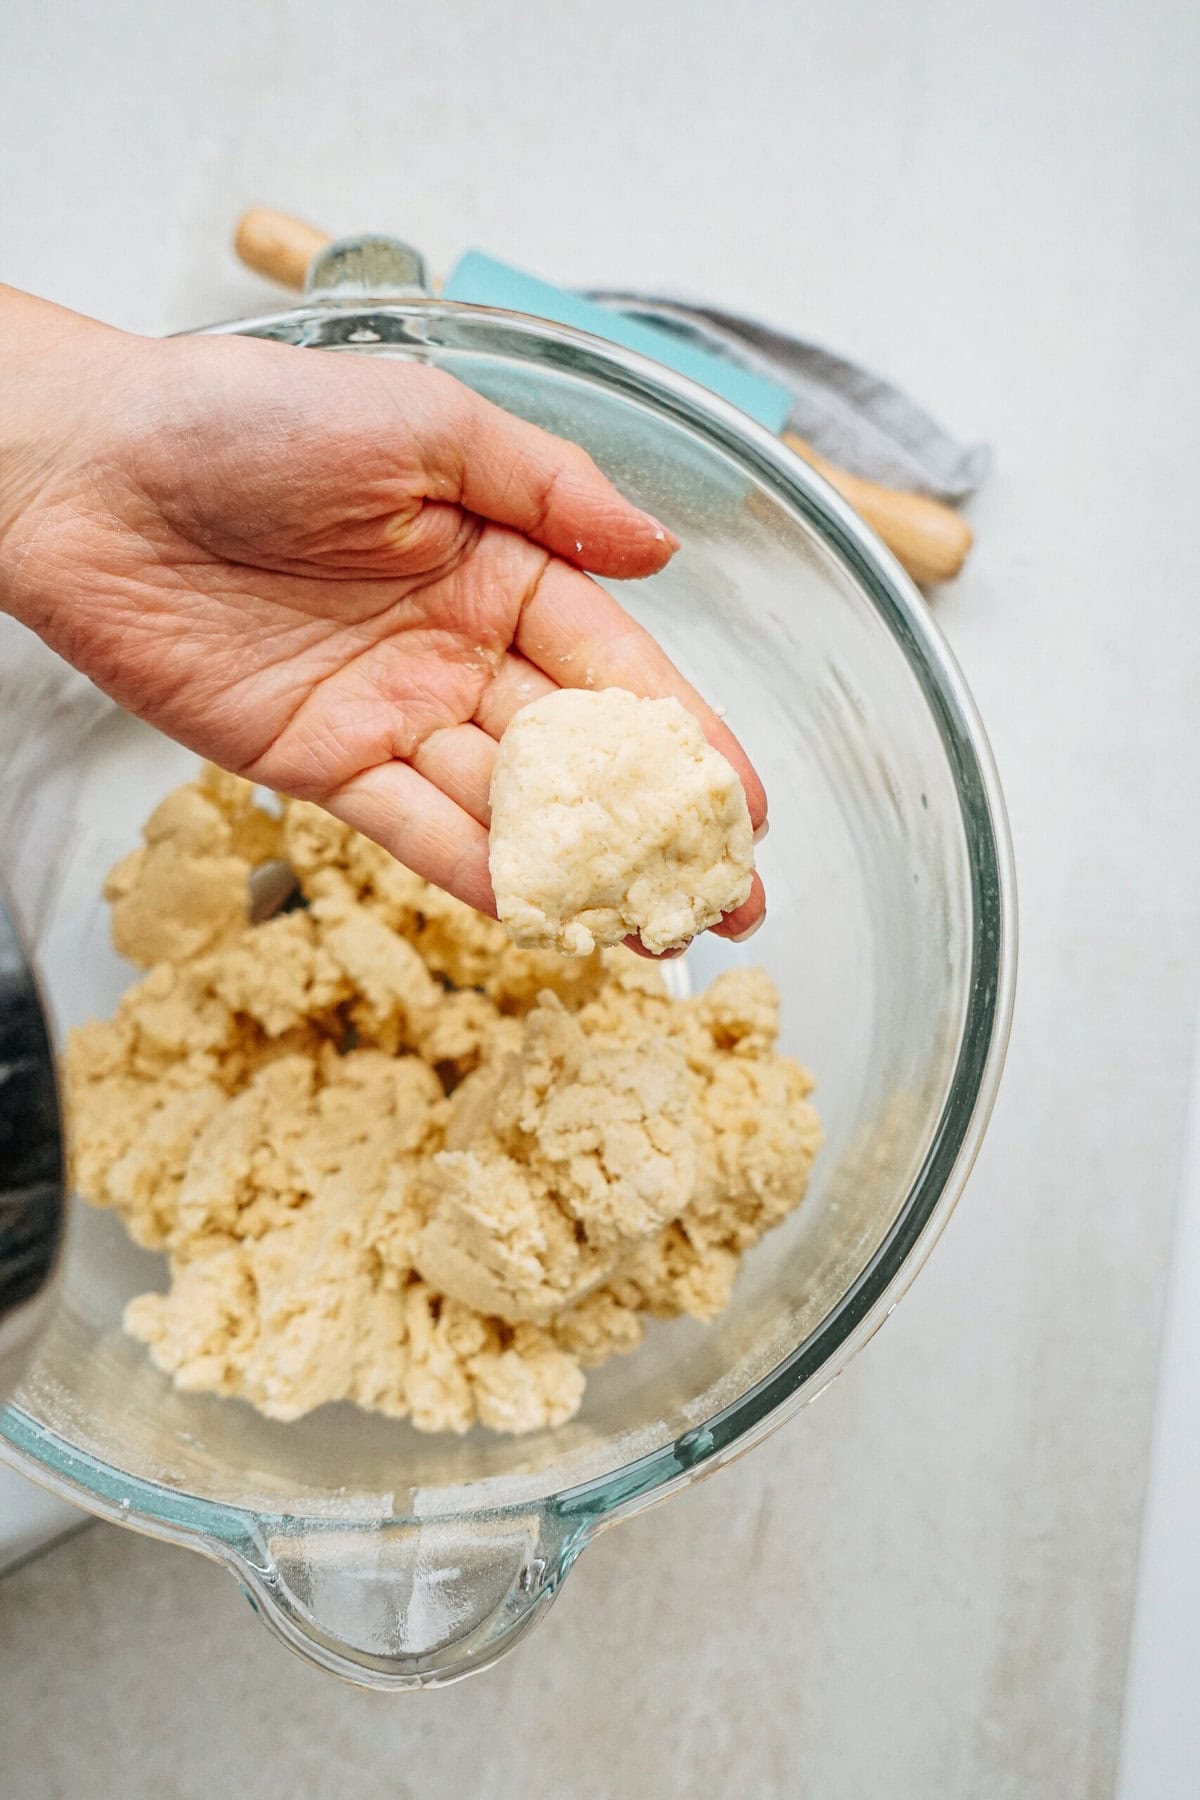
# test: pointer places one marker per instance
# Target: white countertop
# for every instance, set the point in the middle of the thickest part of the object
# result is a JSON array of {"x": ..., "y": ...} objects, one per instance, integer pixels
[{"x": 923, "y": 1585}]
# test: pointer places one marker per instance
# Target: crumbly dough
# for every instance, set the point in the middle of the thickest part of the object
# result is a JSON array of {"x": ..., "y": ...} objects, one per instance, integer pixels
[
  {"x": 185, "y": 889},
  {"x": 394, "y": 1158},
  {"x": 613, "y": 816},
  {"x": 556, "y": 1163}
]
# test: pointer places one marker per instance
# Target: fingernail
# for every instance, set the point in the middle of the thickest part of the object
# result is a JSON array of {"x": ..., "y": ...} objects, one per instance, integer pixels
[
  {"x": 762, "y": 831},
  {"x": 743, "y": 936},
  {"x": 661, "y": 533}
]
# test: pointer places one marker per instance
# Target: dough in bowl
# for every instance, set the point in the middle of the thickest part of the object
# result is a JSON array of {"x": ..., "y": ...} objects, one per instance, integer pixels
[{"x": 613, "y": 815}]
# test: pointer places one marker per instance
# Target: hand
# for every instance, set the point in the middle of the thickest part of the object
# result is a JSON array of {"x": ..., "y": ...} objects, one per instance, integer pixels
[{"x": 339, "y": 576}]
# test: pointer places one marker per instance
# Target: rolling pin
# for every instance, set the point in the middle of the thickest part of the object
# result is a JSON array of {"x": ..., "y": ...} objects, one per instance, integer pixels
[{"x": 928, "y": 538}]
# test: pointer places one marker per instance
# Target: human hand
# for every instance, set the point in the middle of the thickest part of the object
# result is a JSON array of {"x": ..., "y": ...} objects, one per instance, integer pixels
[{"x": 337, "y": 576}]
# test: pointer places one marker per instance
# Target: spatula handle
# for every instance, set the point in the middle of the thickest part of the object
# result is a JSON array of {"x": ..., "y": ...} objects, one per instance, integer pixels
[
  {"x": 930, "y": 540},
  {"x": 927, "y": 537},
  {"x": 273, "y": 244}
]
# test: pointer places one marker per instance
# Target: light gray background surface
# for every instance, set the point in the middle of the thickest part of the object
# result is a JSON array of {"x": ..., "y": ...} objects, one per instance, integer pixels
[{"x": 923, "y": 1586}]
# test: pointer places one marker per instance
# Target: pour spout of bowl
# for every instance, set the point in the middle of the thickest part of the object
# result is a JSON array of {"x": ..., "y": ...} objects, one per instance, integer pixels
[{"x": 405, "y": 1603}]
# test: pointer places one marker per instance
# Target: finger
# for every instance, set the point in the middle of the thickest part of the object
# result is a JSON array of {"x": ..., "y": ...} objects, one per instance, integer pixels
[
  {"x": 635, "y": 944},
  {"x": 515, "y": 683},
  {"x": 745, "y": 919},
  {"x": 421, "y": 827},
  {"x": 458, "y": 760},
  {"x": 505, "y": 469},
  {"x": 579, "y": 636}
]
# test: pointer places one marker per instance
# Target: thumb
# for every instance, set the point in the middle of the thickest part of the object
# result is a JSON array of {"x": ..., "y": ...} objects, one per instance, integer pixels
[
  {"x": 504, "y": 469},
  {"x": 351, "y": 466}
]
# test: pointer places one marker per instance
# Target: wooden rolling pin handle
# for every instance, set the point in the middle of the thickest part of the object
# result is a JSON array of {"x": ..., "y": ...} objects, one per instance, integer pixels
[
  {"x": 273, "y": 244},
  {"x": 928, "y": 539}
]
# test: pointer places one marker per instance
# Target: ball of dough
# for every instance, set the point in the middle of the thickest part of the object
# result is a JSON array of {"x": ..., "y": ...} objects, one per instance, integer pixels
[{"x": 613, "y": 815}]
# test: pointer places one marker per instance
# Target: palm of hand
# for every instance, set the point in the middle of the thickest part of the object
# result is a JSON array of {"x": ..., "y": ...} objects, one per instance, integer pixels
[{"x": 349, "y": 613}]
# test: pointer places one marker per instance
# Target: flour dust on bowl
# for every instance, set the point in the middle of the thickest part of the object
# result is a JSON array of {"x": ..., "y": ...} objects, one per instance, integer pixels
[{"x": 397, "y": 1559}]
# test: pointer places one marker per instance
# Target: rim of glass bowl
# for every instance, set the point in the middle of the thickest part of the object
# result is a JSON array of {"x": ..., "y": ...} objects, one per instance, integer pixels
[{"x": 435, "y": 324}]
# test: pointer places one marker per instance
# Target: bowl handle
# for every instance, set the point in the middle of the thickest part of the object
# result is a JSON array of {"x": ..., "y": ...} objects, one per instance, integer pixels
[{"x": 405, "y": 1604}]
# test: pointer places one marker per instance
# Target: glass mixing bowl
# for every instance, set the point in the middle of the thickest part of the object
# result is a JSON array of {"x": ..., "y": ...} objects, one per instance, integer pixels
[{"x": 396, "y": 1559}]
